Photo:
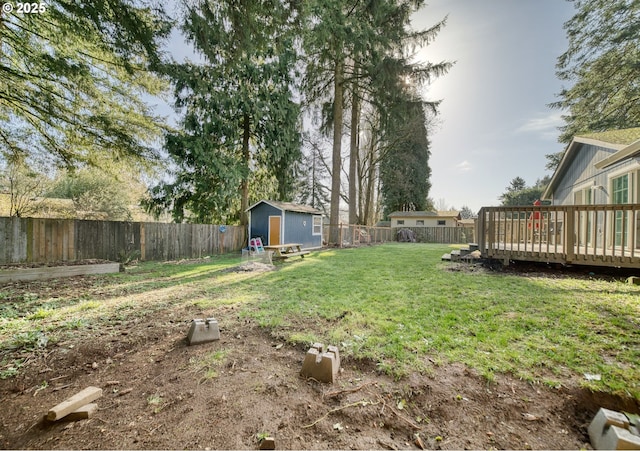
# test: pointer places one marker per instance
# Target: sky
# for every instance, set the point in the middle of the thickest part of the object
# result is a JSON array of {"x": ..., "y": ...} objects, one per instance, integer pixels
[{"x": 494, "y": 122}]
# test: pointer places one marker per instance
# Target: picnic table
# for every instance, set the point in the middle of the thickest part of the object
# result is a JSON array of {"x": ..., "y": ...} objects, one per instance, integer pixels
[{"x": 286, "y": 250}]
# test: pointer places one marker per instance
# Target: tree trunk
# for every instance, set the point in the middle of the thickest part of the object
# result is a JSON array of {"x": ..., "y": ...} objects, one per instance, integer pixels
[
  {"x": 369, "y": 215},
  {"x": 244, "y": 185},
  {"x": 353, "y": 151},
  {"x": 369, "y": 178},
  {"x": 334, "y": 217},
  {"x": 313, "y": 179}
]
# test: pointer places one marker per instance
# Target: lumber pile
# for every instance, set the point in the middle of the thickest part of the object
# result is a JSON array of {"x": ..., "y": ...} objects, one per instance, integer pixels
[{"x": 77, "y": 407}]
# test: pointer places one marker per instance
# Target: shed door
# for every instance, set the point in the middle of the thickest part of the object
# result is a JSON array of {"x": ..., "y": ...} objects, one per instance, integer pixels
[{"x": 274, "y": 230}]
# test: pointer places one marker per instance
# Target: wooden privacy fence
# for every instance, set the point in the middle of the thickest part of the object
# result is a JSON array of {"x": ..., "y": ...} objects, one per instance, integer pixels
[
  {"x": 32, "y": 240},
  {"x": 355, "y": 234},
  {"x": 442, "y": 235},
  {"x": 599, "y": 235}
]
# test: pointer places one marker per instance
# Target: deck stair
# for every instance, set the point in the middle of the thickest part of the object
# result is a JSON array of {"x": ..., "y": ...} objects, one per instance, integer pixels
[{"x": 463, "y": 254}]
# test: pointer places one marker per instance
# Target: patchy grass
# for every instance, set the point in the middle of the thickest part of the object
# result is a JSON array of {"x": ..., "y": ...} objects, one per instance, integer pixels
[
  {"x": 208, "y": 364},
  {"x": 395, "y": 304}
]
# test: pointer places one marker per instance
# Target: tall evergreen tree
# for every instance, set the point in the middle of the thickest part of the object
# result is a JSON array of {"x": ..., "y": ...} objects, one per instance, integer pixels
[
  {"x": 380, "y": 76},
  {"x": 312, "y": 189},
  {"x": 405, "y": 168},
  {"x": 72, "y": 79},
  {"x": 346, "y": 45},
  {"x": 239, "y": 110},
  {"x": 603, "y": 64},
  {"x": 329, "y": 32}
]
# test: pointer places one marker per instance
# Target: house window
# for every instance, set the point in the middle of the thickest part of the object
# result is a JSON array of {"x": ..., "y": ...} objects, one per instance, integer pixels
[
  {"x": 400, "y": 221},
  {"x": 442, "y": 222},
  {"x": 587, "y": 196},
  {"x": 623, "y": 185},
  {"x": 620, "y": 195},
  {"x": 620, "y": 189},
  {"x": 420, "y": 222},
  {"x": 317, "y": 225},
  {"x": 583, "y": 196}
]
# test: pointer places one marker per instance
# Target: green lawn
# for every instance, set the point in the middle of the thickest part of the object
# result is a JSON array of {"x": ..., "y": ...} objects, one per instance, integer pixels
[{"x": 395, "y": 304}]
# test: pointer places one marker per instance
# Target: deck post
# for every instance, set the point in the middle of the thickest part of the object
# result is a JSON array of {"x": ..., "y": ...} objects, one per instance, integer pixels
[
  {"x": 570, "y": 235},
  {"x": 633, "y": 226},
  {"x": 479, "y": 226}
]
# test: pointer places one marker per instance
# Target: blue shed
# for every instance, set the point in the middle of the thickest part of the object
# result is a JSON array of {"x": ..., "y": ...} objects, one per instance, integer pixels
[{"x": 284, "y": 222}]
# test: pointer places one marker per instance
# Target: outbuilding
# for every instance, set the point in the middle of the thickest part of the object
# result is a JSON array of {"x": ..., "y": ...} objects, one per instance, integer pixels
[
  {"x": 285, "y": 222},
  {"x": 424, "y": 218}
]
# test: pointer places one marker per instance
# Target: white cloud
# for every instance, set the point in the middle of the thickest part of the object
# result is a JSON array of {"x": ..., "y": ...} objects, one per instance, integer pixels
[
  {"x": 464, "y": 166},
  {"x": 546, "y": 126}
]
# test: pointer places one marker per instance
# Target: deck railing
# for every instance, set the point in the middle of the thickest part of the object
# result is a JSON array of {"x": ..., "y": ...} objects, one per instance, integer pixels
[{"x": 600, "y": 235}]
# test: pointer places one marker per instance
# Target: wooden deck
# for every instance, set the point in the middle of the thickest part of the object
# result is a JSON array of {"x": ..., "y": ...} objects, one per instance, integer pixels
[{"x": 597, "y": 235}]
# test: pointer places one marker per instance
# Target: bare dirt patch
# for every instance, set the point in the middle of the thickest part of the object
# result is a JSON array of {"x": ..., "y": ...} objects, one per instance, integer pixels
[
  {"x": 160, "y": 393},
  {"x": 93, "y": 261},
  {"x": 537, "y": 269}
]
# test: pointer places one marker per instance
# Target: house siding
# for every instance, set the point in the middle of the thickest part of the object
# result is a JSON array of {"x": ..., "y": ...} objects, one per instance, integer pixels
[
  {"x": 431, "y": 221},
  {"x": 260, "y": 221},
  {"x": 582, "y": 171},
  {"x": 298, "y": 228}
]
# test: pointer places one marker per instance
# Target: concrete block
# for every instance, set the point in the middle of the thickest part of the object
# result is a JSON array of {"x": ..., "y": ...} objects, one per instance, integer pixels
[
  {"x": 267, "y": 443},
  {"x": 616, "y": 437},
  {"x": 322, "y": 366},
  {"x": 611, "y": 430},
  {"x": 203, "y": 331}
]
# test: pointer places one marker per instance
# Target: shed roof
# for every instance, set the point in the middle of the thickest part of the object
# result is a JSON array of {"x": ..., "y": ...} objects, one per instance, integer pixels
[
  {"x": 625, "y": 143},
  {"x": 288, "y": 206}
]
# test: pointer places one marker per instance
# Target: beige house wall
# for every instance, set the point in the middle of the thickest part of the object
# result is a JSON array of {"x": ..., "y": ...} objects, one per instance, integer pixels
[{"x": 428, "y": 221}]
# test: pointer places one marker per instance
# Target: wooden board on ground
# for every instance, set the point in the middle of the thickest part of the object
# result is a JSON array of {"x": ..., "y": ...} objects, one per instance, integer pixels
[
  {"x": 74, "y": 403},
  {"x": 83, "y": 413},
  {"x": 294, "y": 254},
  {"x": 53, "y": 272}
]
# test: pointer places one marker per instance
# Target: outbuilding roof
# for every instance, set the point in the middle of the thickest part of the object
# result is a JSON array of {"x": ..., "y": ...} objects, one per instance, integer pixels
[
  {"x": 287, "y": 206},
  {"x": 423, "y": 214},
  {"x": 409, "y": 214}
]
